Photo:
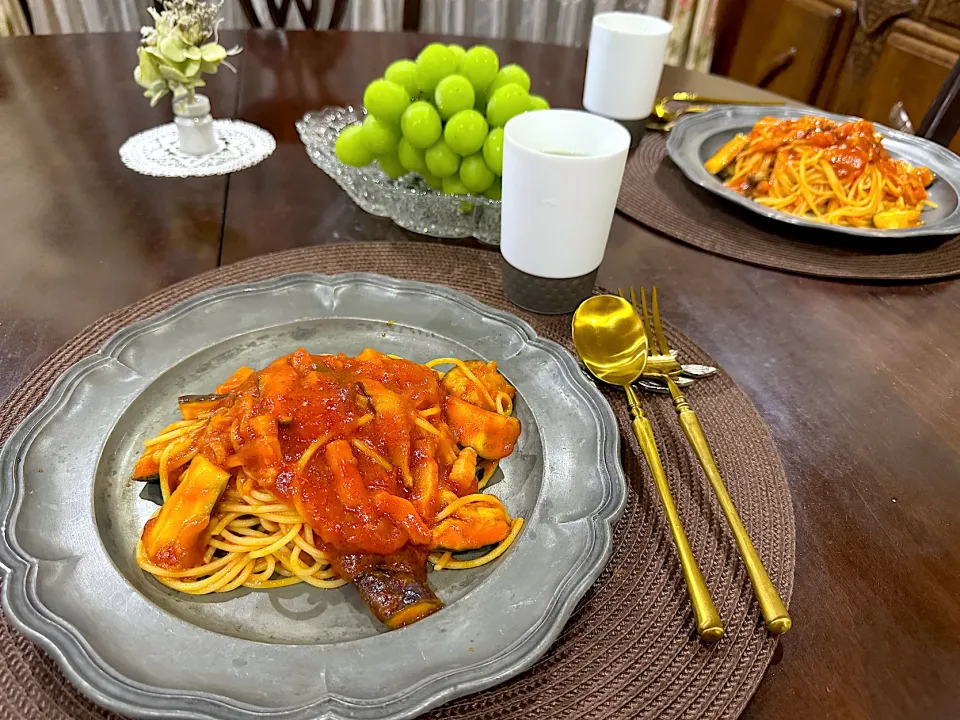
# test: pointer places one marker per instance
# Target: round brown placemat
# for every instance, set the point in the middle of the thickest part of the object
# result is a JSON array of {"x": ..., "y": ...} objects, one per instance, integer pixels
[
  {"x": 657, "y": 194},
  {"x": 630, "y": 650}
]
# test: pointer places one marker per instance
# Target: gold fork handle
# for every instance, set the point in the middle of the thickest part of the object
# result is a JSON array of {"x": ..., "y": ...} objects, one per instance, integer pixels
[
  {"x": 774, "y": 612},
  {"x": 695, "y": 97},
  {"x": 709, "y": 625}
]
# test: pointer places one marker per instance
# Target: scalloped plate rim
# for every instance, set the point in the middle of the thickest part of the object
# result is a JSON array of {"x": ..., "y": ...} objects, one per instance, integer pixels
[{"x": 109, "y": 687}]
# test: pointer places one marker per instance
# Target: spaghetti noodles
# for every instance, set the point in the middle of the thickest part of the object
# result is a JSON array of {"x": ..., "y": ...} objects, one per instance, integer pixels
[
  {"x": 326, "y": 470},
  {"x": 838, "y": 173}
]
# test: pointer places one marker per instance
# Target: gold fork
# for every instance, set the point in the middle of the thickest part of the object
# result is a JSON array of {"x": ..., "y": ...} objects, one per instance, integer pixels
[
  {"x": 775, "y": 614},
  {"x": 664, "y": 119},
  {"x": 661, "y": 360},
  {"x": 662, "y": 111}
]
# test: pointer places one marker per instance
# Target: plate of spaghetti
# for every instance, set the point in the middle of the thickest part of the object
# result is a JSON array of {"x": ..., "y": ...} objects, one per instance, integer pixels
[
  {"x": 313, "y": 496},
  {"x": 329, "y": 470},
  {"x": 826, "y": 171}
]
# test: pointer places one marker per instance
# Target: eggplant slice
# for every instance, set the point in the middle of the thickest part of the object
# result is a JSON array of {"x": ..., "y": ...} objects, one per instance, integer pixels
[{"x": 394, "y": 587}]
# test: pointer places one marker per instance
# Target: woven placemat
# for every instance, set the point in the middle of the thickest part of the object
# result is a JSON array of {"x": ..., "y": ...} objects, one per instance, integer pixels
[
  {"x": 630, "y": 650},
  {"x": 656, "y": 193}
]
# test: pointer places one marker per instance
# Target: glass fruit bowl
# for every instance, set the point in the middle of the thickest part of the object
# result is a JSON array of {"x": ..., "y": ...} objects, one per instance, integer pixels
[{"x": 408, "y": 200}]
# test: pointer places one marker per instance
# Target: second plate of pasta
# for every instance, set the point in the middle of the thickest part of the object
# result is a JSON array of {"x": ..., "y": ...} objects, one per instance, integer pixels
[{"x": 824, "y": 171}]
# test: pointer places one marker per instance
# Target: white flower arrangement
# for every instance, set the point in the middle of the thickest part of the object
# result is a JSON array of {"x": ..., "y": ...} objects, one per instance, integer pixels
[{"x": 182, "y": 46}]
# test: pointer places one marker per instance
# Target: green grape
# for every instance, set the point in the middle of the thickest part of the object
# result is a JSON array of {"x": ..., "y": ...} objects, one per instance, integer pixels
[
  {"x": 465, "y": 132},
  {"x": 380, "y": 137},
  {"x": 453, "y": 94},
  {"x": 391, "y": 165},
  {"x": 403, "y": 72},
  {"x": 479, "y": 65},
  {"x": 421, "y": 124},
  {"x": 387, "y": 100},
  {"x": 441, "y": 160},
  {"x": 453, "y": 186},
  {"x": 432, "y": 180},
  {"x": 351, "y": 149},
  {"x": 457, "y": 51},
  {"x": 410, "y": 156},
  {"x": 510, "y": 74},
  {"x": 494, "y": 191},
  {"x": 538, "y": 103},
  {"x": 493, "y": 151},
  {"x": 506, "y": 102},
  {"x": 434, "y": 63},
  {"x": 475, "y": 174}
]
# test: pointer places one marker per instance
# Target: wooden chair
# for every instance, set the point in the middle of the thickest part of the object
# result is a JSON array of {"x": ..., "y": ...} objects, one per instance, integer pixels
[
  {"x": 309, "y": 10},
  {"x": 791, "y": 47},
  {"x": 279, "y": 11},
  {"x": 942, "y": 121},
  {"x": 27, "y": 15}
]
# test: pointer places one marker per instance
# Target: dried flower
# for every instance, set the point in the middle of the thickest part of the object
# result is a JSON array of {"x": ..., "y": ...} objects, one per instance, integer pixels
[{"x": 174, "y": 54}]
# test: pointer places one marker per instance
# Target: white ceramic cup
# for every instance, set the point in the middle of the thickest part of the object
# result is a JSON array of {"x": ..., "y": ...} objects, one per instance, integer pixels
[
  {"x": 561, "y": 176},
  {"x": 624, "y": 64}
]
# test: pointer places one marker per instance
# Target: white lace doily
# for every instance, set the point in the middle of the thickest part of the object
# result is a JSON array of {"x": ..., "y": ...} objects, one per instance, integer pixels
[{"x": 157, "y": 151}]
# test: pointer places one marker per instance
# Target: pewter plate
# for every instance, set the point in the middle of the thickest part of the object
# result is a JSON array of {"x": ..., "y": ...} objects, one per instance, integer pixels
[
  {"x": 697, "y": 137},
  {"x": 70, "y": 517}
]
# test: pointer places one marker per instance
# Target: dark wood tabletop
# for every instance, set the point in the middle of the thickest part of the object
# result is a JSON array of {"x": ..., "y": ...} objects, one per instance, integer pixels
[{"x": 858, "y": 382}]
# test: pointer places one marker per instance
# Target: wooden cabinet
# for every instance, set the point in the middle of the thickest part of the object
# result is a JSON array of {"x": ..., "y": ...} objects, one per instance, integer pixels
[
  {"x": 913, "y": 63},
  {"x": 942, "y": 14},
  {"x": 859, "y": 58}
]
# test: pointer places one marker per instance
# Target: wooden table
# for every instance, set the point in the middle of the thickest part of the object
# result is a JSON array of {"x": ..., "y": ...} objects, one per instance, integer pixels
[{"x": 858, "y": 382}]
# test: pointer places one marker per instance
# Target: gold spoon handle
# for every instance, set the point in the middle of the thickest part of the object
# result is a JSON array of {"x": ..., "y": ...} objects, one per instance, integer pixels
[
  {"x": 709, "y": 625},
  {"x": 774, "y": 611}
]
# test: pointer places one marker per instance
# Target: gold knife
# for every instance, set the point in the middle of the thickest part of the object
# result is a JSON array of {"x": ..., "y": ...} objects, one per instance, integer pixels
[{"x": 775, "y": 613}]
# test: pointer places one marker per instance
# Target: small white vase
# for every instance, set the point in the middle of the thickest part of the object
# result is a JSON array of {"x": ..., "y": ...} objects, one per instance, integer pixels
[{"x": 194, "y": 125}]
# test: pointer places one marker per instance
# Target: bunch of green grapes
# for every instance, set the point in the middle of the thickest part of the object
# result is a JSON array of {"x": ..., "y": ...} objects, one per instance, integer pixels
[{"x": 441, "y": 116}]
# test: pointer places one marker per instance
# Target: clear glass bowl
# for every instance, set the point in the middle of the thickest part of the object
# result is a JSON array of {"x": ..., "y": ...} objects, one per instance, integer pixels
[{"x": 408, "y": 201}]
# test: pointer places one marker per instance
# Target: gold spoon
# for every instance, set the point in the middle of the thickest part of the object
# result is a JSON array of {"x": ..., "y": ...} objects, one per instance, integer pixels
[
  {"x": 611, "y": 342},
  {"x": 667, "y": 119}
]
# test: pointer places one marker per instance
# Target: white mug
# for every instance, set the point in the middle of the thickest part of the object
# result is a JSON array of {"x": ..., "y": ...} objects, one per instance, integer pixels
[
  {"x": 561, "y": 176},
  {"x": 624, "y": 64}
]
